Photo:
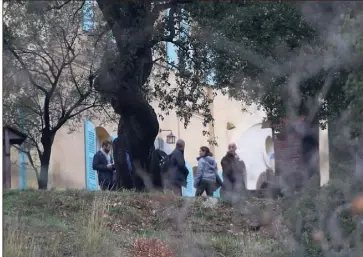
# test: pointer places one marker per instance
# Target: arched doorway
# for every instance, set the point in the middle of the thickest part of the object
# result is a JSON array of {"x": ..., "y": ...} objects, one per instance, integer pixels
[
  {"x": 254, "y": 147},
  {"x": 101, "y": 135}
]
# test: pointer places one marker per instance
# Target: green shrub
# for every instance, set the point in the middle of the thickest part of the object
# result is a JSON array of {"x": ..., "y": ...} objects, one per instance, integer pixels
[{"x": 321, "y": 219}]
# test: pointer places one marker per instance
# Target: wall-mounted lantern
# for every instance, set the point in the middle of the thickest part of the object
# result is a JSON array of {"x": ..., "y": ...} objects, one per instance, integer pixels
[
  {"x": 170, "y": 138},
  {"x": 230, "y": 126}
]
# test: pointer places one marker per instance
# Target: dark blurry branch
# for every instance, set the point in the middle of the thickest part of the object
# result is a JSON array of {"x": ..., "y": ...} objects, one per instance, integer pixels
[
  {"x": 50, "y": 66},
  {"x": 30, "y": 158},
  {"x": 170, "y": 27},
  {"x": 111, "y": 13},
  {"x": 38, "y": 112},
  {"x": 32, "y": 138},
  {"x": 66, "y": 61},
  {"x": 109, "y": 116},
  {"x": 158, "y": 59},
  {"x": 75, "y": 82},
  {"x": 43, "y": 73},
  {"x": 23, "y": 65},
  {"x": 104, "y": 30},
  {"x": 79, "y": 9},
  {"x": 68, "y": 114},
  {"x": 49, "y": 56},
  {"x": 58, "y": 6}
]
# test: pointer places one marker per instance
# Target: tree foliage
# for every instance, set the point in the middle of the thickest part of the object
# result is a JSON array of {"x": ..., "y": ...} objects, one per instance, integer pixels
[
  {"x": 49, "y": 73},
  {"x": 141, "y": 32},
  {"x": 289, "y": 58}
]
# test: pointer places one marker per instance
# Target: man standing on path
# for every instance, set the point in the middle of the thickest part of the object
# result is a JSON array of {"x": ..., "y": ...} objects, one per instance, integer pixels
[
  {"x": 234, "y": 173},
  {"x": 103, "y": 164},
  {"x": 177, "y": 171}
]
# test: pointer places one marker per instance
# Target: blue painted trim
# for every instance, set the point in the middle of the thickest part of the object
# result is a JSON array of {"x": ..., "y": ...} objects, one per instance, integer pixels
[
  {"x": 22, "y": 170},
  {"x": 189, "y": 191},
  {"x": 22, "y": 157},
  {"x": 90, "y": 151},
  {"x": 88, "y": 16},
  {"x": 171, "y": 49}
]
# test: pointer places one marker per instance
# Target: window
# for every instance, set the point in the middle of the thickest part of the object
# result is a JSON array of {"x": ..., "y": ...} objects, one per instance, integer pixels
[
  {"x": 88, "y": 15},
  {"x": 210, "y": 80},
  {"x": 171, "y": 49}
]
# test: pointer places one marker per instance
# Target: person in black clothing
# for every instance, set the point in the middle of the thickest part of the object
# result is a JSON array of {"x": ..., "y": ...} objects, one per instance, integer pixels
[
  {"x": 103, "y": 164},
  {"x": 177, "y": 172},
  {"x": 234, "y": 173}
]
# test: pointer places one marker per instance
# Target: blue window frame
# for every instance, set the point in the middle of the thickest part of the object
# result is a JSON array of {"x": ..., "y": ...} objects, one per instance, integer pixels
[{"x": 88, "y": 16}]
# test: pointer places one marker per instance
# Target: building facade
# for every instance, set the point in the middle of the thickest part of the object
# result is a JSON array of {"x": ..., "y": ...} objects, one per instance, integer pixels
[{"x": 72, "y": 153}]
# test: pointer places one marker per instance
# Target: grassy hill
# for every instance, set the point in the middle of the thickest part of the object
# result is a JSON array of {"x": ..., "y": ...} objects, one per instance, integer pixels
[{"x": 97, "y": 224}]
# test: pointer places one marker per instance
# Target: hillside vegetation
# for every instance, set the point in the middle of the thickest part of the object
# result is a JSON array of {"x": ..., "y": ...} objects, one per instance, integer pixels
[{"x": 80, "y": 224}]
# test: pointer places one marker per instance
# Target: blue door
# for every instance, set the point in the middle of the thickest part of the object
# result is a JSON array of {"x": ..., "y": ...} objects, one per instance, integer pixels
[
  {"x": 90, "y": 151},
  {"x": 22, "y": 169},
  {"x": 189, "y": 191}
]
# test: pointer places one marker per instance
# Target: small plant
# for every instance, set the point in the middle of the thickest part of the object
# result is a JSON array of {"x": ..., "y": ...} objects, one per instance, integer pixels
[
  {"x": 144, "y": 247},
  {"x": 94, "y": 241},
  {"x": 15, "y": 242}
]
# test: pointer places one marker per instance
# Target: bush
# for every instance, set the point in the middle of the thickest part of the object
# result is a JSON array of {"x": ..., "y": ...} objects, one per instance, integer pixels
[{"x": 322, "y": 221}]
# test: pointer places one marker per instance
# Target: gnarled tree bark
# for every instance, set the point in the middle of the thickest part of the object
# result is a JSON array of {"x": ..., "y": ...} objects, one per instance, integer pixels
[{"x": 122, "y": 80}]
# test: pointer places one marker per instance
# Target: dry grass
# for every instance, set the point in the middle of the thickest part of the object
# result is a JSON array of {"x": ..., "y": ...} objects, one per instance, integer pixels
[{"x": 86, "y": 224}]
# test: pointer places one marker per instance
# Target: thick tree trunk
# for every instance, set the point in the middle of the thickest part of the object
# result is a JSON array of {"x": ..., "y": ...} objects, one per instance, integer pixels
[
  {"x": 44, "y": 168},
  {"x": 136, "y": 135},
  {"x": 132, "y": 27},
  {"x": 43, "y": 176},
  {"x": 47, "y": 142}
]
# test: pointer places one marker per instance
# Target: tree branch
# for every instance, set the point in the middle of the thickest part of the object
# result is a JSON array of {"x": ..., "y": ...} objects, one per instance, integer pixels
[
  {"x": 49, "y": 56},
  {"x": 23, "y": 65},
  {"x": 73, "y": 77},
  {"x": 58, "y": 7},
  {"x": 80, "y": 8},
  {"x": 68, "y": 114},
  {"x": 84, "y": 109},
  {"x": 43, "y": 58},
  {"x": 109, "y": 116},
  {"x": 170, "y": 26},
  {"x": 30, "y": 158}
]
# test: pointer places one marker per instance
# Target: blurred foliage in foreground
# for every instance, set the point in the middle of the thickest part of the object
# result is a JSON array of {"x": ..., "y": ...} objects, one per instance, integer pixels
[{"x": 327, "y": 221}]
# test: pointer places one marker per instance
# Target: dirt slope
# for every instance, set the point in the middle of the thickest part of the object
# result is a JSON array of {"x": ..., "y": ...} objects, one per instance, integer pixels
[{"x": 80, "y": 223}]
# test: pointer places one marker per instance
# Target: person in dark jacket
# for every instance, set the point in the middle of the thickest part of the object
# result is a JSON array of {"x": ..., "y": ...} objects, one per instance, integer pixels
[
  {"x": 234, "y": 173},
  {"x": 103, "y": 164},
  {"x": 207, "y": 178},
  {"x": 177, "y": 171}
]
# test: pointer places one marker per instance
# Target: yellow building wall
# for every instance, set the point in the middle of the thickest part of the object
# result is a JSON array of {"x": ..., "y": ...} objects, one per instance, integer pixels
[{"x": 67, "y": 168}]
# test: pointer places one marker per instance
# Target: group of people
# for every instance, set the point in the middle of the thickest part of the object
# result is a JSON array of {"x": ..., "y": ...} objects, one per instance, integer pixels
[
  {"x": 233, "y": 171},
  {"x": 175, "y": 173}
]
